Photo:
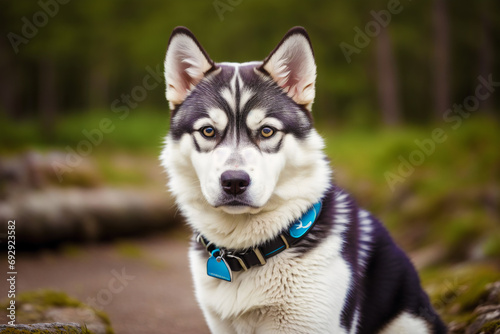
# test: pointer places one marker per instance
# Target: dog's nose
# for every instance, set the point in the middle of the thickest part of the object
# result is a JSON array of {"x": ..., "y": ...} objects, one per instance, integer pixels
[{"x": 234, "y": 182}]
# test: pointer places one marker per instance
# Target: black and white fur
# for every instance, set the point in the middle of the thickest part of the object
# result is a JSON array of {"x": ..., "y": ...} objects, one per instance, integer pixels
[{"x": 347, "y": 275}]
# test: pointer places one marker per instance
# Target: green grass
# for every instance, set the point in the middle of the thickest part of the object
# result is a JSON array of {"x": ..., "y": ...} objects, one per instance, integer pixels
[
  {"x": 451, "y": 198},
  {"x": 142, "y": 130}
]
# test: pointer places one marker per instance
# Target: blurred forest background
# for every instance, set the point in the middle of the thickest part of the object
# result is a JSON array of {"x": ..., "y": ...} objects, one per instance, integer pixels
[
  {"x": 89, "y": 53},
  {"x": 407, "y": 97}
]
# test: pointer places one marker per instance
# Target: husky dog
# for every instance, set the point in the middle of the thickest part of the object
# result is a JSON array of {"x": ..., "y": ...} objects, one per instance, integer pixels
[{"x": 277, "y": 247}]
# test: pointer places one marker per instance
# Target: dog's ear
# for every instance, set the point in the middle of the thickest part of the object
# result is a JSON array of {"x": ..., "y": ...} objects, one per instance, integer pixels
[
  {"x": 186, "y": 63},
  {"x": 291, "y": 65}
]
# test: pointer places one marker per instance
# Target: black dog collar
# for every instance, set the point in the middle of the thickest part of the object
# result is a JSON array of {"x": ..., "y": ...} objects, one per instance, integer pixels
[{"x": 223, "y": 262}]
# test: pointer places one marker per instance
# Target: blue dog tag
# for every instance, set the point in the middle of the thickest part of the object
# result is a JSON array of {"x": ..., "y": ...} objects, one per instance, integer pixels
[
  {"x": 305, "y": 223},
  {"x": 217, "y": 267}
]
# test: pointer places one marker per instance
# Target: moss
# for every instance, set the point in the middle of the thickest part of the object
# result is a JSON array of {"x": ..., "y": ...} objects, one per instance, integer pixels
[
  {"x": 491, "y": 246},
  {"x": 459, "y": 230},
  {"x": 47, "y": 298},
  {"x": 85, "y": 330},
  {"x": 41, "y": 300},
  {"x": 129, "y": 250},
  {"x": 72, "y": 250},
  {"x": 117, "y": 174},
  {"x": 132, "y": 251},
  {"x": 69, "y": 329},
  {"x": 490, "y": 327},
  {"x": 105, "y": 318},
  {"x": 455, "y": 292},
  {"x": 65, "y": 330}
]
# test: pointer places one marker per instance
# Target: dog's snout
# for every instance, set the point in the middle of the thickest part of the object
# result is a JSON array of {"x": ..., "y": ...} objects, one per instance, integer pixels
[{"x": 234, "y": 182}]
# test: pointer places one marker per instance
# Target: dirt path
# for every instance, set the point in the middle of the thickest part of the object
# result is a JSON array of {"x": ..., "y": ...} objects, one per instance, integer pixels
[{"x": 143, "y": 285}]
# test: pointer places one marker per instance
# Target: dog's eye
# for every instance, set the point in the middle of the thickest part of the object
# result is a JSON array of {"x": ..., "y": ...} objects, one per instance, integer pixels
[
  {"x": 266, "y": 132},
  {"x": 208, "y": 132}
]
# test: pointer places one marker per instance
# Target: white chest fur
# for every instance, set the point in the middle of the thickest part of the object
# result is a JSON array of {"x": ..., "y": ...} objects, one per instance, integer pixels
[{"x": 292, "y": 293}]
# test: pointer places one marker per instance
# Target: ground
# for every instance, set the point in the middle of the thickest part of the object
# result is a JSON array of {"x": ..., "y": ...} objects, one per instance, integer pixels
[{"x": 158, "y": 299}]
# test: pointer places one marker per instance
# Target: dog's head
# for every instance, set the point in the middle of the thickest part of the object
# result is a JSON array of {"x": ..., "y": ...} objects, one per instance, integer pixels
[{"x": 241, "y": 137}]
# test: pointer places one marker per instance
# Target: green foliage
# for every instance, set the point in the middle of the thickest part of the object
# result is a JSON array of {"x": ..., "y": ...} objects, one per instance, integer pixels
[
  {"x": 142, "y": 130},
  {"x": 491, "y": 246},
  {"x": 101, "y": 49},
  {"x": 450, "y": 199},
  {"x": 114, "y": 172}
]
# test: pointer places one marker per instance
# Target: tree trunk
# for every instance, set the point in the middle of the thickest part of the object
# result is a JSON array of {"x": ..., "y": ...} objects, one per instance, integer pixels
[
  {"x": 98, "y": 85},
  {"x": 9, "y": 82},
  {"x": 47, "y": 95},
  {"x": 486, "y": 53},
  {"x": 441, "y": 57},
  {"x": 387, "y": 82}
]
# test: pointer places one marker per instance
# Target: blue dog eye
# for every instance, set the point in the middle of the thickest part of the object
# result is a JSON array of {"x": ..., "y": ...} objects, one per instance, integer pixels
[{"x": 208, "y": 131}]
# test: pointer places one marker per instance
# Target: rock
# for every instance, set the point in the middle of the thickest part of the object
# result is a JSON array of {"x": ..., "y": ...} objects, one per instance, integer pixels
[
  {"x": 33, "y": 170},
  {"x": 485, "y": 319},
  {"x": 53, "y": 309},
  {"x": 49, "y": 210},
  {"x": 49, "y": 216},
  {"x": 486, "y": 316},
  {"x": 493, "y": 296},
  {"x": 44, "y": 328},
  {"x": 83, "y": 315}
]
